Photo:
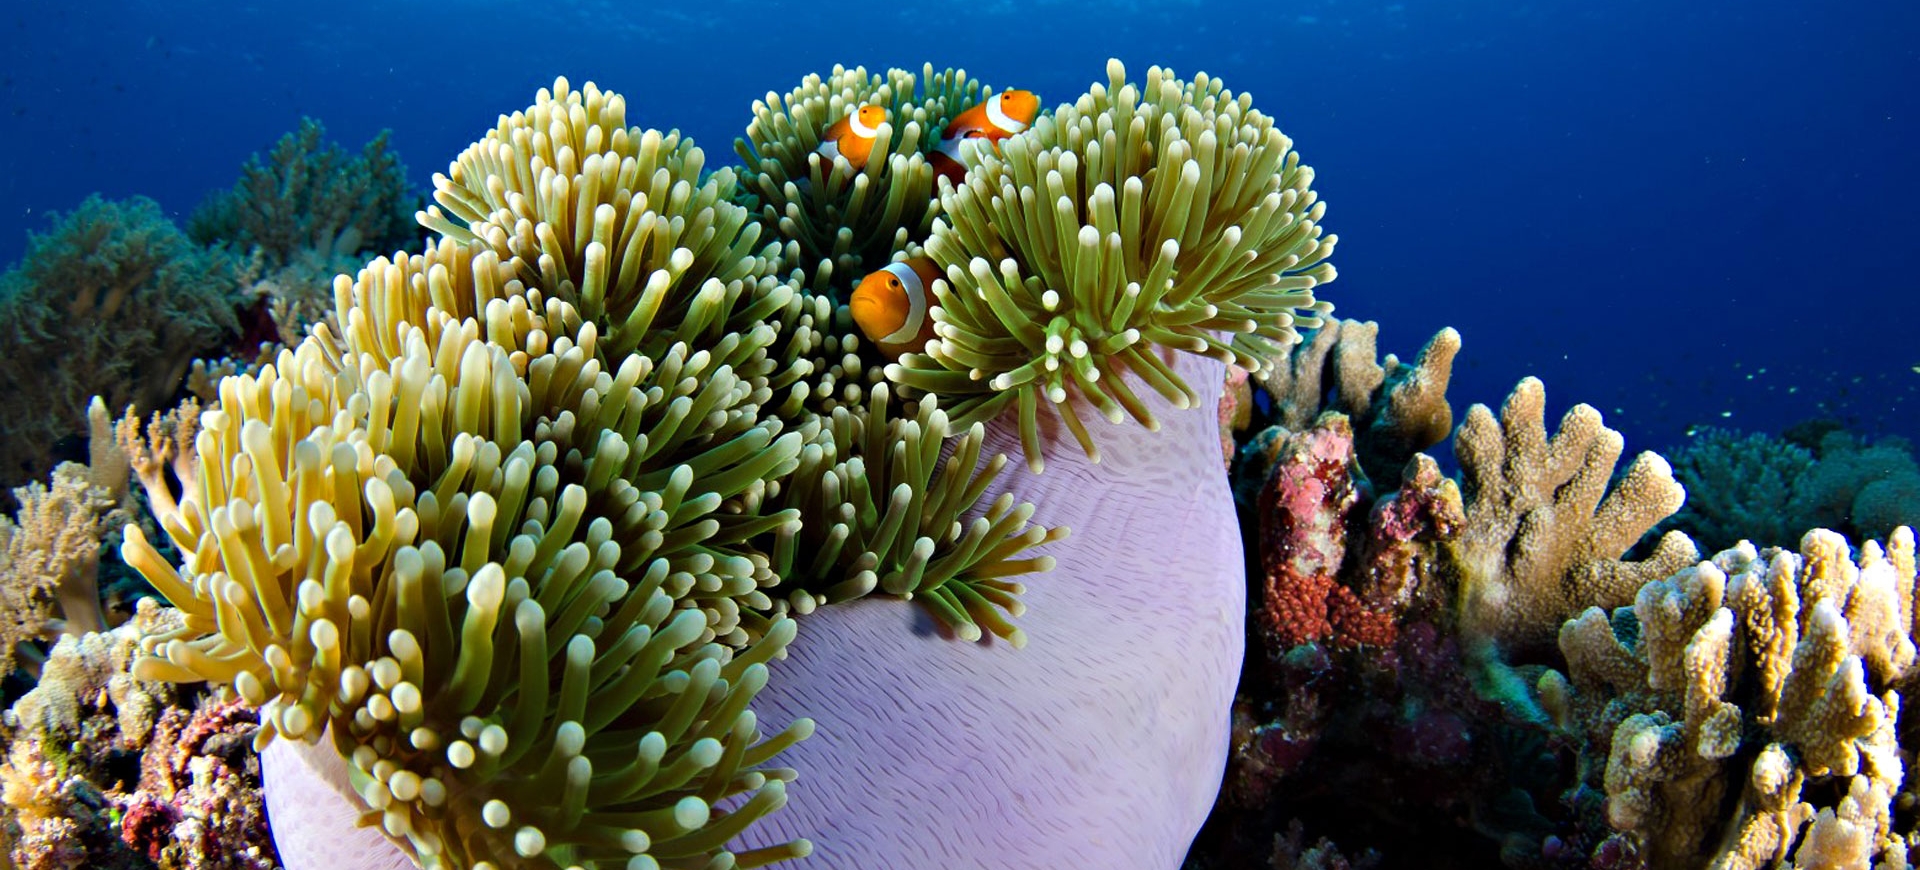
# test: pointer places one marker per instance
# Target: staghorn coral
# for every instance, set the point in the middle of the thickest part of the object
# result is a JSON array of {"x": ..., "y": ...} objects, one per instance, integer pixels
[
  {"x": 838, "y": 223},
  {"x": 114, "y": 302},
  {"x": 1141, "y": 216},
  {"x": 1771, "y": 673},
  {"x": 1540, "y": 543}
]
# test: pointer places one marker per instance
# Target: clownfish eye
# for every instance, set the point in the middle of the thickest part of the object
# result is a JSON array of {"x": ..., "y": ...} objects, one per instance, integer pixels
[{"x": 894, "y": 283}]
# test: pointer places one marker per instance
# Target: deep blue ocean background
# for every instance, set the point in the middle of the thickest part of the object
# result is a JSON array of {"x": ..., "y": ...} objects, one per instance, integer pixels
[{"x": 1681, "y": 213}]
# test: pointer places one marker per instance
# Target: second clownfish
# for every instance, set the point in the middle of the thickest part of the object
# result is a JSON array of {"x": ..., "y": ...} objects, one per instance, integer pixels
[
  {"x": 893, "y": 306},
  {"x": 852, "y": 137},
  {"x": 1002, "y": 115}
]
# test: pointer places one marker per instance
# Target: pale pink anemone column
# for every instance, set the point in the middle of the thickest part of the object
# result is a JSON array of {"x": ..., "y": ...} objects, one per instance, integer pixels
[{"x": 1100, "y": 744}]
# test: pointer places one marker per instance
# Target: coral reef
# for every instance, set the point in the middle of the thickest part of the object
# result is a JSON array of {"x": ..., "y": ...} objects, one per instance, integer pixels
[
  {"x": 50, "y": 550},
  {"x": 302, "y": 213},
  {"x": 107, "y": 771},
  {"x": 308, "y": 194},
  {"x": 113, "y": 302},
  {"x": 1767, "y": 489},
  {"x": 1740, "y": 487},
  {"x": 1769, "y": 673},
  {"x": 1866, "y": 488},
  {"x": 1165, "y": 214},
  {"x": 1398, "y": 409},
  {"x": 1546, "y": 527}
]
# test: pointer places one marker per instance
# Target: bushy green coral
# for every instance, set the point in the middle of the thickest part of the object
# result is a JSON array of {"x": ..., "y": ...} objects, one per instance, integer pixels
[
  {"x": 1767, "y": 489},
  {"x": 1741, "y": 487},
  {"x": 1166, "y": 215},
  {"x": 115, "y": 302},
  {"x": 309, "y": 194}
]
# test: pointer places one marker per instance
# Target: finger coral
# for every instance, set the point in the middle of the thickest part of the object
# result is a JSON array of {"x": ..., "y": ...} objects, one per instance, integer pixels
[
  {"x": 1769, "y": 673},
  {"x": 1166, "y": 214},
  {"x": 1546, "y": 528}
]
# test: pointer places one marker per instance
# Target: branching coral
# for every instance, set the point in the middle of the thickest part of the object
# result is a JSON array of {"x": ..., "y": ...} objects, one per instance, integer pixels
[
  {"x": 1545, "y": 531},
  {"x": 837, "y": 221},
  {"x": 50, "y": 550},
  {"x": 1167, "y": 214},
  {"x": 1770, "y": 672},
  {"x": 114, "y": 302}
]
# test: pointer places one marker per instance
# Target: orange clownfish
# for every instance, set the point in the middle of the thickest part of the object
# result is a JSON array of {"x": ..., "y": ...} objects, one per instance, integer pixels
[
  {"x": 852, "y": 136},
  {"x": 892, "y": 306},
  {"x": 1002, "y": 115}
]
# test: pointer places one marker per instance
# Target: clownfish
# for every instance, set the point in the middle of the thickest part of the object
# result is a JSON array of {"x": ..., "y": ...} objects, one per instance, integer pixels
[
  {"x": 1002, "y": 115},
  {"x": 852, "y": 136},
  {"x": 892, "y": 306}
]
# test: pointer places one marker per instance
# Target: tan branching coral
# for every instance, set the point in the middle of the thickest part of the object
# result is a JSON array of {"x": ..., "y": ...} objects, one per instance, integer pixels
[
  {"x": 1170, "y": 213},
  {"x": 1766, "y": 672},
  {"x": 50, "y": 549},
  {"x": 1545, "y": 532}
]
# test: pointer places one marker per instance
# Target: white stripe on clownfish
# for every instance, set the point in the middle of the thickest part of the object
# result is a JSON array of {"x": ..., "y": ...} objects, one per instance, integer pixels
[
  {"x": 916, "y": 302},
  {"x": 999, "y": 118}
]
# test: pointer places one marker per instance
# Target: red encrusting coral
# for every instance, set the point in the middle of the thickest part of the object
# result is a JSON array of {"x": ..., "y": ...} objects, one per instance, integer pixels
[{"x": 1305, "y": 509}]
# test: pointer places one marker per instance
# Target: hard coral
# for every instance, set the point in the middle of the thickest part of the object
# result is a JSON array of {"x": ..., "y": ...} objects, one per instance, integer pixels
[
  {"x": 1398, "y": 408},
  {"x": 1768, "y": 672},
  {"x": 71, "y": 742},
  {"x": 1545, "y": 530}
]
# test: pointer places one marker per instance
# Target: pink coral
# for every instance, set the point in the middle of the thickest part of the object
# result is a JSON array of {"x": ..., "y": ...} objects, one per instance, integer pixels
[{"x": 1305, "y": 508}]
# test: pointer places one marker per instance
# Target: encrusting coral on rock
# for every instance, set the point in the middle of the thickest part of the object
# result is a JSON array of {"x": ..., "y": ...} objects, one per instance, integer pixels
[{"x": 1769, "y": 674}]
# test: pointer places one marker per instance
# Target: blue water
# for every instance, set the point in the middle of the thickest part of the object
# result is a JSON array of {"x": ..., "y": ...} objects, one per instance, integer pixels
[{"x": 1681, "y": 213}]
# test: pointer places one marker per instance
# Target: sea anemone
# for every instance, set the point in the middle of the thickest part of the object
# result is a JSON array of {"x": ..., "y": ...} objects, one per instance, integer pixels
[{"x": 1171, "y": 215}]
